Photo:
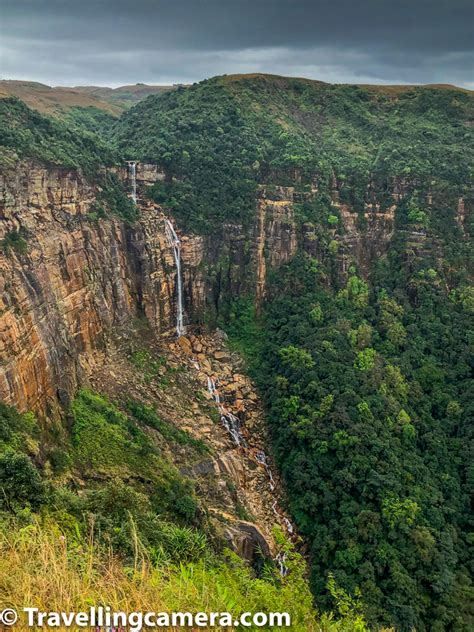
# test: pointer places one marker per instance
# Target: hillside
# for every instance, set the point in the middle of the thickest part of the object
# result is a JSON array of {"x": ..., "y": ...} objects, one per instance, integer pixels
[
  {"x": 362, "y": 350},
  {"x": 53, "y": 101},
  {"x": 123, "y": 97},
  {"x": 223, "y": 136},
  {"x": 326, "y": 284},
  {"x": 59, "y": 100},
  {"x": 25, "y": 133}
]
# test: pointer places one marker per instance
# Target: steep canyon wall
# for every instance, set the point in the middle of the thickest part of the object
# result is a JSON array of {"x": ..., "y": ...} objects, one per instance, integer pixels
[{"x": 79, "y": 278}]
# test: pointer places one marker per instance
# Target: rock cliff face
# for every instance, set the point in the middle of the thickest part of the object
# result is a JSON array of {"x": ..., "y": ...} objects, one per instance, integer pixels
[
  {"x": 74, "y": 288},
  {"x": 78, "y": 278}
]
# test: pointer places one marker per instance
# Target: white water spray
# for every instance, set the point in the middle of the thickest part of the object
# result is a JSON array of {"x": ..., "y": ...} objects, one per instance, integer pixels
[
  {"x": 176, "y": 246},
  {"x": 280, "y": 560},
  {"x": 230, "y": 422},
  {"x": 132, "y": 166},
  {"x": 271, "y": 480}
]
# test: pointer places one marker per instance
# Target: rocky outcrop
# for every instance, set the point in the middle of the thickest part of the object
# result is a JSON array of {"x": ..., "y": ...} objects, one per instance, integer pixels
[
  {"x": 275, "y": 233},
  {"x": 78, "y": 278},
  {"x": 148, "y": 174},
  {"x": 74, "y": 280},
  {"x": 367, "y": 244},
  {"x": 246, "y": 539}
]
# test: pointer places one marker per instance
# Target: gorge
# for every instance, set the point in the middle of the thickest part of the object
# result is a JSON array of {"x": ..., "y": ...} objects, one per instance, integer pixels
[{"x": 262, "y": 320}]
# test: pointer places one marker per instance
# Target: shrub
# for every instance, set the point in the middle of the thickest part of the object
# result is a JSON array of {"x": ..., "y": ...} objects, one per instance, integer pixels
[
  {"x": 20, "y": 482},
  {"x": 15, "y": 241},
  {"x": 365, "y": 360}
]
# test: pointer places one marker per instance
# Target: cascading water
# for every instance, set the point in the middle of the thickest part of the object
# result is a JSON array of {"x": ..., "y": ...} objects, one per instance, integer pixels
[
  {"x": 271, "y": 482},
  {"x": 176, "y": 246},
  {"x": 132, "y": 166},
  {"x": 280, "y": 560},
  {"x": 230, "y": 422}
]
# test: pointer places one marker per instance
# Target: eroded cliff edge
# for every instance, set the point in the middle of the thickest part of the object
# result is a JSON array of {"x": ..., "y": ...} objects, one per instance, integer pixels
[{"x": 79, "y": 277}]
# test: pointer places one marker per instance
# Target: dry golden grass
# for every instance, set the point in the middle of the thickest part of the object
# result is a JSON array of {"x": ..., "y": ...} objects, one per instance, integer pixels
[
  {"x": 39, "y": 568},
  {"x": 52, "y": 101}
]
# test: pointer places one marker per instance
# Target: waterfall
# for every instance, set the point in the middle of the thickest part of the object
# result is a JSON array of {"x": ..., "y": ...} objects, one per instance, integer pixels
[
  {"x": 234, "y": 429},
  {"x": 232, "y": 425},
  {"x": 176, "y": 246},
  {"x": 230, "y": 422},
  {"x": 270, "y": 478},
  {"x": 280, "y": 560},
  {"x": 133, "y": 176}
]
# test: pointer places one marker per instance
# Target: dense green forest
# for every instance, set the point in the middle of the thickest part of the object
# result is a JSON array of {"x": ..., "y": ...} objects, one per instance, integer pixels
[
  {"x": 366, "y": 379},
  {"x": 366, "y": 373},
  {"x": 370, "y": 399},
  {"x": 25, "y": 133},
  {"x": 218, "y": 139}
]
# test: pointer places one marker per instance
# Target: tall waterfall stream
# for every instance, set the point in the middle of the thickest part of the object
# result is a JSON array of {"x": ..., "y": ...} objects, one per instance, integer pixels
[
  {"x": 132, "y": 167},
  {"x": 176, "y": 246},
  {"x": 230, "y": 421}
]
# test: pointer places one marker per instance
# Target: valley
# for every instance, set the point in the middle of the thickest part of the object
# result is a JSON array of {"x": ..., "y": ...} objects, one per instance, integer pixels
[{"x": 238, "y": 317}]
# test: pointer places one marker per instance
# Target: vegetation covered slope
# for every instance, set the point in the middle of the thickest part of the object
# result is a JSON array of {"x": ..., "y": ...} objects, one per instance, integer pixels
[
  {"x": 219, "y": 138},
  {"x": 123, "y": 97},
  {"x": 366, "y": 379},
  {"x": 24, "y": 133},
  {"x": 59, "y": 101},
  {"x": 370, "y": 399},
  {"x": 53, "y": 101},
  {"x": 97, "y": 514}
]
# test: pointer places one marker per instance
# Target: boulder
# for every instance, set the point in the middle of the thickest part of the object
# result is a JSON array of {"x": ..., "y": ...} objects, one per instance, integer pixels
[
  {"x": 246, "y": 539},
  {"x": 221, "y": 355},
  {"x": 185, "y": 345}
]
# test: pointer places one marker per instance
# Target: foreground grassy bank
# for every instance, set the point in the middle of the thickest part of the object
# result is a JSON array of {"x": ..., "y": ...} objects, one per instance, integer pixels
[
  {"x": 135, "y": 538},
  {"x": 43, "y": 568}
]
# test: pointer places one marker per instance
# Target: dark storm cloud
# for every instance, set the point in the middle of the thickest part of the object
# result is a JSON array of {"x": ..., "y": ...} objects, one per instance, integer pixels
[{"x": 160, "y": 41}]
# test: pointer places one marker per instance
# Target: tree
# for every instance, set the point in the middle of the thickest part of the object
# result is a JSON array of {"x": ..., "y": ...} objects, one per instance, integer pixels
[{"x": 20, "y": 482}]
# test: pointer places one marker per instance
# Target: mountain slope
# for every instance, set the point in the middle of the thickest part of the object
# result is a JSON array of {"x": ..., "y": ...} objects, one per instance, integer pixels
[
  {"x": 363, "y": 350},
  {"x": 123, "y": 97},
  {"x": 25, "y": 133},
  {"x": 223, "y": 136},
  {"x": 53, "y": 101},
  {"x": 332, "y": 240},
  {"x": 59, "y": 100}
]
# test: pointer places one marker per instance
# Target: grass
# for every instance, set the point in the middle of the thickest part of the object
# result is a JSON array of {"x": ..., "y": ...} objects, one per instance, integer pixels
[
  {"x": 42, "y": 568},
  {"x": 148, "y": 416}
]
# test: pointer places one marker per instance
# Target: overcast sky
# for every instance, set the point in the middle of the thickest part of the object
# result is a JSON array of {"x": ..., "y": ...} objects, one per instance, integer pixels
[{"x": 114, "y": 42}]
